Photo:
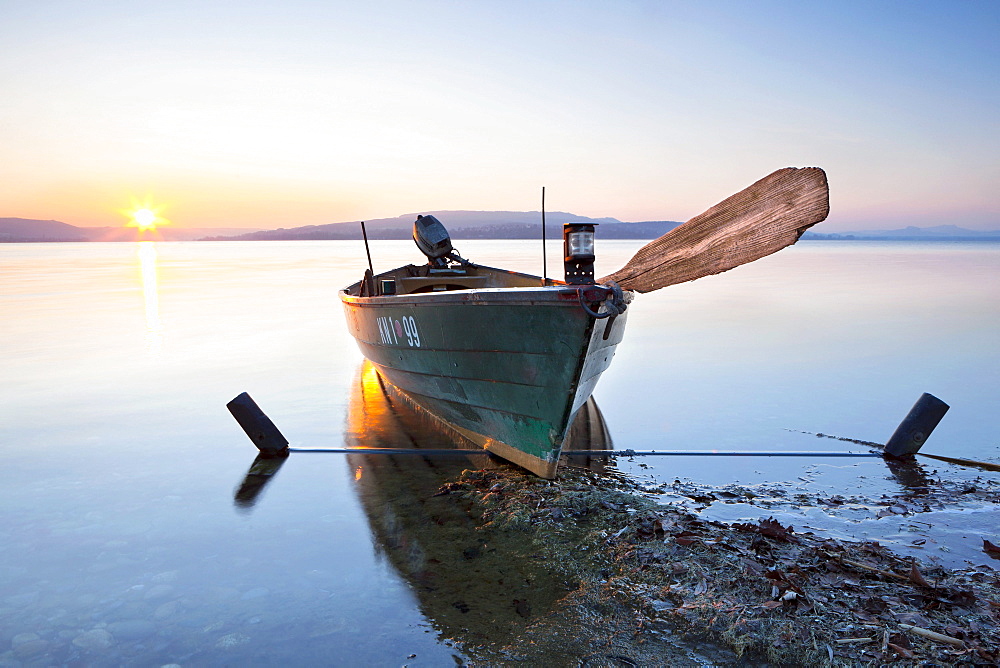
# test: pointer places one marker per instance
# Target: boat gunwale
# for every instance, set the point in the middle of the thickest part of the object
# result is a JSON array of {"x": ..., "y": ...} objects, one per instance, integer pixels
[{"x": 541, "y": 296}]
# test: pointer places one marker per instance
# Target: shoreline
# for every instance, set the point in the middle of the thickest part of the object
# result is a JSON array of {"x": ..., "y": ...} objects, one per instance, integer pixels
[{"x": 670, "y": 586}]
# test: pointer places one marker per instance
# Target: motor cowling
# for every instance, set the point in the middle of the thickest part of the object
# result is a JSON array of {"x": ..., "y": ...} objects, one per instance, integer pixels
[{"x": 432, "y": 239}]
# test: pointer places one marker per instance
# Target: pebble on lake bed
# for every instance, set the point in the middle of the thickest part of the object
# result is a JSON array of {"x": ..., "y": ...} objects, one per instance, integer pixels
[
  {"x": 231, "y": 640},
  {"x": 132, "y": 630},
  {"x": 157, "y": 592},
  {"x": 22, "y": 638},
  {"x": 94, "y": 640},
  {"x": 27, "y": 645},
  {"x": 256, "y": 592},
  {"x": 167, "y": 610}
]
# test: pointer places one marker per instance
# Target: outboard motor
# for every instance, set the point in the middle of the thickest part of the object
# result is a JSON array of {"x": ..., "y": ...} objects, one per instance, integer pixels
[{"x": 433, "y": 241}]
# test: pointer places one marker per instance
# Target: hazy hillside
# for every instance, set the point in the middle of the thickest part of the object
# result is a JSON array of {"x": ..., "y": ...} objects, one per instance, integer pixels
[
  {"x": 460, "y": 224},
  {"x": 936, "y": 233},
  {"x": 163, "y": 233},
  {"x": 25, "y": 229},
  {"x": 28, "y": 230},
  {"x": 467, "y": 225}
]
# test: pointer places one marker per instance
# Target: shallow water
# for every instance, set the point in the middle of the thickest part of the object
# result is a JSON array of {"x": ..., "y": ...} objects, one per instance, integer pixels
[{"x": 122, "y": 542}]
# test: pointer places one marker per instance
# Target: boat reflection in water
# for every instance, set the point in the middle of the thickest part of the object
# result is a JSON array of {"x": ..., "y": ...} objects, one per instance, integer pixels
[{"x": 475, "y": 584}]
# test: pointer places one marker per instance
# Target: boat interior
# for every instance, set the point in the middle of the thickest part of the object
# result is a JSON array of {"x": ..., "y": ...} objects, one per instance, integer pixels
[
  {"x": 415, "y": 279},
  {"x": 445, "y": 269}
]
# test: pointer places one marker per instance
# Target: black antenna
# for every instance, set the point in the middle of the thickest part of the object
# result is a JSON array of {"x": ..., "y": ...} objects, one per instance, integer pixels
[
  {"x": 545, "y": 272},
  {"x": 367, "y": 252}
]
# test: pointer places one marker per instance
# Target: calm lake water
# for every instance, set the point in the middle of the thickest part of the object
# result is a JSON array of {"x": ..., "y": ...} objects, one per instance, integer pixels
[{"x": 129, "y": 536}]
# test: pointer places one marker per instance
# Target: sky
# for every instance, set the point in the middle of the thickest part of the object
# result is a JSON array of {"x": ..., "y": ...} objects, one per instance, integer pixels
[{"x": 261, "y": 114}]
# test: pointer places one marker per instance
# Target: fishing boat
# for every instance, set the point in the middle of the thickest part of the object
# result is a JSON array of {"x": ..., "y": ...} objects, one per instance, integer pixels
[
  {"x": 505, "y": 358},
  {"x": 508, "y": 359}
]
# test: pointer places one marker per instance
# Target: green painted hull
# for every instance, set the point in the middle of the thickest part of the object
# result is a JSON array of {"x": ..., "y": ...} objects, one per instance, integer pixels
[{"x": 507, "y": 367}]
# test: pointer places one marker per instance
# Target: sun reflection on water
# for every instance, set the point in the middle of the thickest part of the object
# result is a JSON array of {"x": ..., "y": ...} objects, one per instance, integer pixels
[
  {"x": 372, "y": 421},
  {"x": 147, "y": 265}
]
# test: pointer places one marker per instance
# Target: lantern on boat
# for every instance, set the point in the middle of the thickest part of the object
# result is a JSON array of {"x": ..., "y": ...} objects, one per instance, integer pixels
[{"x": 578, "y": 252}]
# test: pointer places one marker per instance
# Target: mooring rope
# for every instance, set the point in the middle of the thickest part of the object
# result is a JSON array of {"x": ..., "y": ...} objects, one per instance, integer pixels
[{"x": 615, "y": 303}]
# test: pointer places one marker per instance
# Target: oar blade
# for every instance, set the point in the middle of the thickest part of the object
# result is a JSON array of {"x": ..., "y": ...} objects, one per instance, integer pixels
[{"x": 755, "y": 222}]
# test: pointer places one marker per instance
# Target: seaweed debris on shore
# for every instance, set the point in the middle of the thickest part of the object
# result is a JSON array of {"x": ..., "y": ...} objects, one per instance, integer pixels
[{"x": 647, "y": 579}]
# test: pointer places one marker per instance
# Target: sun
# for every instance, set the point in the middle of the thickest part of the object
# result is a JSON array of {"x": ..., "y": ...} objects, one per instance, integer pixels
[
  {"x": 144, "y": 216},
  {"x": 144, "y": 219}
]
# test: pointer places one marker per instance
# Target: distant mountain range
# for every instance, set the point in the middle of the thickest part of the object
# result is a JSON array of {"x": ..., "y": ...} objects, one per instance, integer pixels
[
  {"x": 466, "y": 225},
  {"x": 28, "y": 230},
  {"x": 937, "y": 233},
  {"x": 460, "y": 224}
]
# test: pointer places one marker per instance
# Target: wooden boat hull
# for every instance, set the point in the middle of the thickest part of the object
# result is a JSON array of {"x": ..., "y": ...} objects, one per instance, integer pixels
[{"x": 507, "y": 367}]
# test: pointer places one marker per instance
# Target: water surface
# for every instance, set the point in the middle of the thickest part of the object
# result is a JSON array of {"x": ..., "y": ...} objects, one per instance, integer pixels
[{"x": 122, "y": 542}]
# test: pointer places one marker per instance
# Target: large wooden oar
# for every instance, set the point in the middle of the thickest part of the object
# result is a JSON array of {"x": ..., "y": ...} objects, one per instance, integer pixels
[{"x": 755, "y": 222}]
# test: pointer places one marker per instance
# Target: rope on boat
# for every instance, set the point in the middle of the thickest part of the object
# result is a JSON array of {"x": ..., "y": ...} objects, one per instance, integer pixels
[{"x": 615, "y": 303}]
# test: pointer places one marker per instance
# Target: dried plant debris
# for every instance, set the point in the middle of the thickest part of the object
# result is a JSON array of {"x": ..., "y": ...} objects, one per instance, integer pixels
[{"x": 643, "y": 575}]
